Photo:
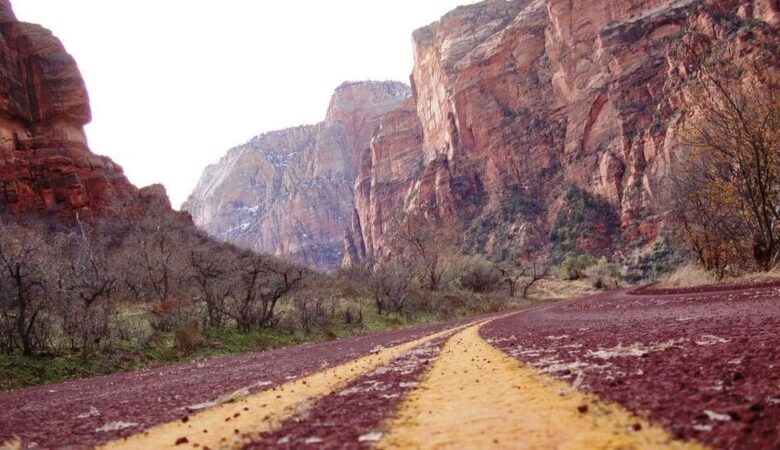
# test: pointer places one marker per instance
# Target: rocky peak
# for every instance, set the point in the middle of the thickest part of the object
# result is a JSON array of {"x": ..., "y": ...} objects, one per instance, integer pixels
[
  {"x": 6, "y": 12},
  {"x": 46, "y": 166},
  {"x": 289, "y": 192}
]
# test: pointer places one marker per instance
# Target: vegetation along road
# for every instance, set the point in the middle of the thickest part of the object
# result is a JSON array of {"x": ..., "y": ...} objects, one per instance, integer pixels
[{"x": 640, "y": 369}]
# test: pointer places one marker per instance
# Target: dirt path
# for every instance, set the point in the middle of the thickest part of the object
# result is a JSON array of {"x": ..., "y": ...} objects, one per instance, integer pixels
[{"x": 671, "y": 370}]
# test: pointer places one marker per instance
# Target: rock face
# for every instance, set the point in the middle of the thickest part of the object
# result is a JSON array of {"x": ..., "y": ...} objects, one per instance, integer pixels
[
  {"x": 45, "y": 164},
  {"x": 289, "y": 192},
  {"x": 518, "y": 102}
]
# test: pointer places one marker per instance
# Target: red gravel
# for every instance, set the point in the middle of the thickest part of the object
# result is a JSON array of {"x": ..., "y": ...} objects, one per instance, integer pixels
[
  {"x": 70, "y": 414},
  {"x": 703, "y": 365},
  {"x": 352, "y": 417}
]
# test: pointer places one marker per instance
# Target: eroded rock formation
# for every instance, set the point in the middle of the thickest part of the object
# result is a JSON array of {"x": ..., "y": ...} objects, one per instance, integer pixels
[
  {"x": 46, "y": 166},
  {"x": 289, "y": 192},
  {"x": 528, "y": 99}
]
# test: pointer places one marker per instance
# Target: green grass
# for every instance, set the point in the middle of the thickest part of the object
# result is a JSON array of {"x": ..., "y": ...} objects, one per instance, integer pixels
[{"x": 18, "y": 371}]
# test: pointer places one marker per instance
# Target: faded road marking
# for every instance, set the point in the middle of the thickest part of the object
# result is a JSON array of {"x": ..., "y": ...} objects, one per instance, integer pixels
[{"x": 475, "y": 396}]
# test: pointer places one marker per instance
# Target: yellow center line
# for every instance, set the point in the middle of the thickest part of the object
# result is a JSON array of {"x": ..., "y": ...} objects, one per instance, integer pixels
[
  {"x": 477, "y": 397},
  {"x": 232, "y": 424}
]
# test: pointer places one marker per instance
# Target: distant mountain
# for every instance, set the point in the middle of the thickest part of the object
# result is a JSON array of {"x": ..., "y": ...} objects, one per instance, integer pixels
[{"x": 289, "y": 192}]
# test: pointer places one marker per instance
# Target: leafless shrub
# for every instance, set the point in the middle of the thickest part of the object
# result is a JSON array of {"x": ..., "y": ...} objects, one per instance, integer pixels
[
  {"x": 25, "y": 288},
  {"x": 309, "y": 311},
  {"x": 261, "y": 282},
  {"x": 430, "y": 245},
  {"x": 391, "y": 287},
  {"x": 479, "y": 275},
  {"x": 187, "y": 337}
]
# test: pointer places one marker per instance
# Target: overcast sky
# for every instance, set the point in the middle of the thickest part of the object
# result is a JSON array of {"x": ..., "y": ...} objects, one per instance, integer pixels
[{"x": 175, "y": 83}]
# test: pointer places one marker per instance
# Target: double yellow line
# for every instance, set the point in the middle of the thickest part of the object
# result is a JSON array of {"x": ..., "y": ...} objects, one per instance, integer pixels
[
  {"x": 477, "y": 397},
  {"x": 230, "y": 424},
  {"x": 473, "y": 397}
]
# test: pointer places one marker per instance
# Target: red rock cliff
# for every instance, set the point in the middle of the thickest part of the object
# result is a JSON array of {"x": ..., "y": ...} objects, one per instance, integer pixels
[
  {"x": 524, "y": 99},
  {"x": 45, "y": 163}
]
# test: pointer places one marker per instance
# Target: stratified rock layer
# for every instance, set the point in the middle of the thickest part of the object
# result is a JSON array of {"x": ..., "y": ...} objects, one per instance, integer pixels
[
  {"x": 46, "y": 166},
  {"x": 289, "y": 192},
  {"x": 531, "y": 97}
]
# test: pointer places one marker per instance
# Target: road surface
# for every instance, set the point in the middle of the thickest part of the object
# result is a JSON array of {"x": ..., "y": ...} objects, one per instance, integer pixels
[{"x": 648, "y": 369}]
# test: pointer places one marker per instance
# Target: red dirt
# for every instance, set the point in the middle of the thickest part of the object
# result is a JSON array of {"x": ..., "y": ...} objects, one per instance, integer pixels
[
  {"x": 69, "y": 414},
  {"x": 351, "y": 418},
  {"x": 708, "y": 367}
]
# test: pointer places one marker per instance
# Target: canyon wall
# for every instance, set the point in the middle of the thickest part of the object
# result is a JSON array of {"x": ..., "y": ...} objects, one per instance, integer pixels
[
  {"x": 290, "y": 193},
  {"x": 523, "y": 108},
  {"x": 46, "y": 167}
]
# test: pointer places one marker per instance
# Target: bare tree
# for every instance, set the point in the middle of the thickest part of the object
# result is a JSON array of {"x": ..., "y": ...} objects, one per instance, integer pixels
[
  {"x": 728, "y": 185},
  {"x": 511, "y": 274},
  {"x": 537, "y": 270},
  {"x": 86, "y": 284},
  {"x": 158, "y": 273},
  {"x": 211, "y": 269},
  {"x": 24, "y": 286},
  {"x": 431, "y": 244},
  {"x": 390, "y": 287},
  {"x": 262, "y": 282}
]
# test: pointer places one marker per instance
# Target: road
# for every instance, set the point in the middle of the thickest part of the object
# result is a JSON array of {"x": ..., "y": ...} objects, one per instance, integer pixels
[{"x": 646, "y": 369}]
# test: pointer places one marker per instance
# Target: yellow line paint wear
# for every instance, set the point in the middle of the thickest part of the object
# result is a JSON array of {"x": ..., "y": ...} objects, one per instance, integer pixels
[
  {"x": 231, "y": 425},
  {"x": 477, "y": 397}
]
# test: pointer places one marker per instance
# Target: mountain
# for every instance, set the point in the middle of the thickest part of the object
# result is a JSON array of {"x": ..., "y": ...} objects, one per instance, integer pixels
[
  {"x": 46, "y": 167},
  {"x": 289, "y": 192},
  {"x": 550, "y": 115}
]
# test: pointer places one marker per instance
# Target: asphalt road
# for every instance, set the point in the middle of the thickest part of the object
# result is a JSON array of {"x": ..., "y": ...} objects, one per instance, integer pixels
[{"x": 656, "y": 369}]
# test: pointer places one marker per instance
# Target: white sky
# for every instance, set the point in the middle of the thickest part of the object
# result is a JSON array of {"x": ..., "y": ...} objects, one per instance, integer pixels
[{"x": 175, "y": 83}]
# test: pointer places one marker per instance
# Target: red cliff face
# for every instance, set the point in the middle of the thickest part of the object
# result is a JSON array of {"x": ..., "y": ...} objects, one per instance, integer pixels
[
  {"x": 45, "y": 163},
  {"x": 529, "y": 98}
]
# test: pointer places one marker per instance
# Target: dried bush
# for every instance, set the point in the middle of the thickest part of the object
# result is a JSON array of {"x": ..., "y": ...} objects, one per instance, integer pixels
[
  {"x": 479, "y": 275},
  {"x": 187, "y": 337},
  {"x": 309, "y": 311},
  {"x": 604, "y": 275}
]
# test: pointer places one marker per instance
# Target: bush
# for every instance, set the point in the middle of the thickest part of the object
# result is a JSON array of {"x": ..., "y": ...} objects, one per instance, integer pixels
[
  {"x": 187, "y": 337},
  {"x": 479, "y": 275},
  {"x": 689, "y": 275},
  {"x": 663, "y": 258},
  {"x": 309, "y": 311},
  {"x": 604, "y": 275},
  {"x": 573, "y": 266}
]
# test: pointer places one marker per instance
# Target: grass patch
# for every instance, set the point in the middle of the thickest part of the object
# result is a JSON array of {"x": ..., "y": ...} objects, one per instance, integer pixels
[{"x": 17, "y": 371}]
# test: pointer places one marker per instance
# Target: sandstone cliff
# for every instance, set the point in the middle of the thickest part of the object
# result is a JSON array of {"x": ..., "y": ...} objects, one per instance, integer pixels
[
  {"x": 289, "y": 193},
  {"x": 46, "y": 166},
  {"x": 546, "y": 112}
]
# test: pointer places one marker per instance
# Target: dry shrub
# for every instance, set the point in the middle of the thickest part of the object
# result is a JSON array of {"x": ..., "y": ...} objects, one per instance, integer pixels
[
  {"x": 604, "y": 275},
  {"x": 479, "y": 275},
  {"x": 689, "y": 275},
  {"x": 353, "y": 316},
  {"x": 188, "y": 337},
  {"x": 309, "y": 311}
]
